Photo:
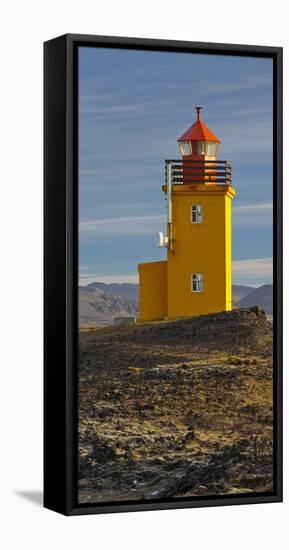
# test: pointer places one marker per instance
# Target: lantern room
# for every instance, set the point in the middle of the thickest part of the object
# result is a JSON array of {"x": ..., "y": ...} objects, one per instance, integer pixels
[{"x": 198, "y": 142}]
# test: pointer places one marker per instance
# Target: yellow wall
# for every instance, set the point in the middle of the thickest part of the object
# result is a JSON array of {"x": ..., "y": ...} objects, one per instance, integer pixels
[
  {"x": 200, "y": 248},
  {"x": 228, "y": 237},
  {"x": 153, "y": 290}
]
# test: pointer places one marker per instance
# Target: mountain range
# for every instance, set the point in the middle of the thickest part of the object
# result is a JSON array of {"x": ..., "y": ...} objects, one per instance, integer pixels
[
  {"x": 261, "y": 296},
  {"x": 99, "y": 306},
  {"x": 100, "y": 303}
]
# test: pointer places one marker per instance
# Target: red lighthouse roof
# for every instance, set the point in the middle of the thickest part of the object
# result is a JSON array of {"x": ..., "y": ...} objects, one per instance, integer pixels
[{"x": 199, "y": 131}]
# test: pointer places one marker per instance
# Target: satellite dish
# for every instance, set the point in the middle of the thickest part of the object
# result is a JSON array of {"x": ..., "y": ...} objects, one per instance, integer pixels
[{"x": 162, "y": 241}]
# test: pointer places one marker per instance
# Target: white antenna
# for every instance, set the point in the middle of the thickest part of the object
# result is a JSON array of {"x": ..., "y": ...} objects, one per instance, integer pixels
[{"x": 162, "y": 241}]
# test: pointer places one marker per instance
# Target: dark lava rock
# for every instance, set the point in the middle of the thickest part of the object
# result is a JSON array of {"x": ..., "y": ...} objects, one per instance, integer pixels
[
  {"x": 102, "y": 452},
  {"x": 217, "y": 331}
]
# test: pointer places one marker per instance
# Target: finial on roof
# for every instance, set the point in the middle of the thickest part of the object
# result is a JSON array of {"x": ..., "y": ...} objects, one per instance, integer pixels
[{"x": 198, "y": 111}]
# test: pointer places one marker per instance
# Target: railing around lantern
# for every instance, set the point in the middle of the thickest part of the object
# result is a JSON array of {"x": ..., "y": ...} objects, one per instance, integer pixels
[{"x": 188, "y": 172}]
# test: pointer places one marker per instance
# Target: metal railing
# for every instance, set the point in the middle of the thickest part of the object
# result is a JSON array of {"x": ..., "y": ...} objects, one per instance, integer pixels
[{"x": 188, "y": 172}]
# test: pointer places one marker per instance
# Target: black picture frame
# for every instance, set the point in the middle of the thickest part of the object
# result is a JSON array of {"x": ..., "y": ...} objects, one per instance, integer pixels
[{"x": 61, "y": 266}]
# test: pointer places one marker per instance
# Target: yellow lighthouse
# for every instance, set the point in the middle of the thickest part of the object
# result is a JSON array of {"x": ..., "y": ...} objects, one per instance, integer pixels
[{"x": 196, "y": 278}]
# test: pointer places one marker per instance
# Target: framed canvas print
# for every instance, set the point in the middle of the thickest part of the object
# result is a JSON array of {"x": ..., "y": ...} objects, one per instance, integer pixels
[{"x": 163, "y": 274}]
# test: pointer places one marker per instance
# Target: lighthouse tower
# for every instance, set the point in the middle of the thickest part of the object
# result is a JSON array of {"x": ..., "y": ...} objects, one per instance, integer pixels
[{"x": 196, "y": 278}]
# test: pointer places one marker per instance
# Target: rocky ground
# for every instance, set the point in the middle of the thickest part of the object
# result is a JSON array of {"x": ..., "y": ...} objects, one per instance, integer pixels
[{"x": 176, "y": 409}]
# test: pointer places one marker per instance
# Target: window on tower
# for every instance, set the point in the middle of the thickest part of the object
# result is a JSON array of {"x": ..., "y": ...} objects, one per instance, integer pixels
[
  {"x": 211, "y": 149},
  {"x": 207, "y": 148},
  {"x": 196, "y": 213},
  {"x": 186, "y": 148},
  {"x": 201, "y": 147},
  {"x": 197, "y": 282}
]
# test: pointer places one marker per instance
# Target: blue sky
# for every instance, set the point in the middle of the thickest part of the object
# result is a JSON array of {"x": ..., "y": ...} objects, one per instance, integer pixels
[{"x": 133, "y": 106}]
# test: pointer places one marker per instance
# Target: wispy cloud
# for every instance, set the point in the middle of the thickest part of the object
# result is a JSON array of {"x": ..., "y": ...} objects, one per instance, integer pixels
[
  {"x": 125, "y": 225},
  {"x": 252, "y": 208},
  {"x": 88, "y": 110},
  {"x": 253, "y": 271},
  {"x": 252, "y": 215},
  {"x": 209, "y": 76},
  {"x": 249, "y": 214},
  {"x": 236, "y": 85}
]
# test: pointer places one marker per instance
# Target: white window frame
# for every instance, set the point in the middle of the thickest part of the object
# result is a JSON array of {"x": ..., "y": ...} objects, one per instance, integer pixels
[
  {"x": 197, "y": 282},
  {"x": 196, "y": 213}
]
